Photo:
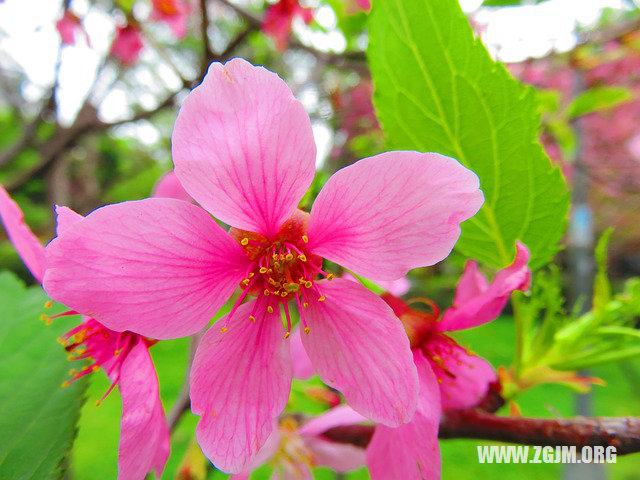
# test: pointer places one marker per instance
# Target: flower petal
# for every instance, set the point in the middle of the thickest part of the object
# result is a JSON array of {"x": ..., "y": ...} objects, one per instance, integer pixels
[
  {"x": 411, "y": 451},
  {"x": 168, "y": 186},
  {"x": 341, "y": 457},
  {"x": 65, "y": 217},
  {"x": 302, "y": 366},
  {"x": 158, "y": 267},
  {"x": 463, "y": 377},
  {"x": 471, "y": 284},
  {"x": 395, "y": 287},
  {"x": 266, "y": 452},
  {"x": 243, "y": 146},
  {"x": 359, "y": 347},
  {"x": 470, "y": 310},
  {"x": 240, "y": 382},
  {"x": 387, "y": 214},
  {"x": 336, "y": 417},
  {"x": 25, "y": 242},
  {"x": 144, "y": 435}
]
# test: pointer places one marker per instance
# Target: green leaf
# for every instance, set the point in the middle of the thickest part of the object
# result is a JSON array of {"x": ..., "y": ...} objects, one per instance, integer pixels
[
  {"x": 597, "y": 98},
  {"x": 38, "y": 419},
  {"x": 438, "y": 90},
  {"x": 602, "y": 287}
]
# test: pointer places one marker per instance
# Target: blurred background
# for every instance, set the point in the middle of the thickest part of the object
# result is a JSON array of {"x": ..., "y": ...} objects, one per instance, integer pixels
[{"x": 89, "y": 91}]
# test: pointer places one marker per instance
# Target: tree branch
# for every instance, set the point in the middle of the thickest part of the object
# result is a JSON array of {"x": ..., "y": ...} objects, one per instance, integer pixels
[
  {"x": 207, "y": 53},
  {"x": 328, "y": 57},
  {"x": 183, "y": 401},
  {"x": 620, "y": 432}
]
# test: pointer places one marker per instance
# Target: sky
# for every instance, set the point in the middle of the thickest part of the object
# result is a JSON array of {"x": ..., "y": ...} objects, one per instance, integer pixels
[{"x": 29, "y": 41}]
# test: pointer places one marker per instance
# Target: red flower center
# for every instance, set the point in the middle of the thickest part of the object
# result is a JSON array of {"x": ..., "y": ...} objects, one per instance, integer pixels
[{"x": 282, "y": 268}]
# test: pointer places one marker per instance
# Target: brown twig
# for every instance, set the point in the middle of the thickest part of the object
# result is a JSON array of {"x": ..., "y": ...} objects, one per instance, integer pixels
[
  {"x": 341, "y": 59},
  {"x": 183, "y": 402},
  {"x": 620, "y": 432},
  {"x": 30, "y": 130},
  {"x": 207, "y": 52}
]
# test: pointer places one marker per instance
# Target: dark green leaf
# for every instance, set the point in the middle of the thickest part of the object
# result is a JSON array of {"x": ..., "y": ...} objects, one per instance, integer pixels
[{"x": 38, "y": 416}]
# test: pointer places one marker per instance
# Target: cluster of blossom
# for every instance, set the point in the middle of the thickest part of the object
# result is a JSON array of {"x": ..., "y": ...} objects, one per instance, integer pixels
[
  {"x": 160, "y": 268},
  {"x": 611, "y": 138},
  {"x": 128, "y": 37}
]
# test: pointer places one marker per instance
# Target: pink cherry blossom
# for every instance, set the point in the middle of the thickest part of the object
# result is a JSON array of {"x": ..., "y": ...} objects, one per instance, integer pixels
[
  {"x": 243, "y": 148},
  {"x": 395, "y": 287},
  {"x": 68, "y": 27},
  {"x": 450, "y": 376},
  {"x": 279, "y": 18},
  {"x": 168, "y": 186},
  {"x": 124, "y": 357},
  {"x": 175, "y": 13},
  {"x": 294, "y": 450},
  {"x": 354, "y": 6},
  {"x": 127, "y": 45}
]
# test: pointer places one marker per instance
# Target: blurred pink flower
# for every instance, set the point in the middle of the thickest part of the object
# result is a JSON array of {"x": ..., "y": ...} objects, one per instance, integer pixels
[
  {"x": 243, "y": 149},
  {"x": 124, "y": 357},
  {"x": 279, "y": 18},
  {"x": 68, "y": 27},
  {"x": 395, "y": 287},
  {"x": 168, "y": 186},
  {"x": 127, "y": 45},
  {"x": 354, "y": 6},
  {"x": 294, "y": 450},
  {"x": 175, "y": 13},
  {"x": 450, "y": 376}
]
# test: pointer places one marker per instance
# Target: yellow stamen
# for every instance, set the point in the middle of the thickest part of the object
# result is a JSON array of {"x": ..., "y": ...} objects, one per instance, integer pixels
[
  {"x": 307, "y": 330},
  {"x": 287, "y": 335},
  {"x": 291, "y": 287},
  {"x": 251, "y": 275},
  {"x": 308, "y": 284},
  {"x": 65, "y": 383},
  {"x": 252, "y": 318},
  {"x": 245, "y": 282},
  {"x": 284, "y": 294},
  {"x": 270, "y": 309},
  {"x": 223, "y": 329},
  {"x": 266, "y": 292},
  {"x": 47, "y": 304},
  {"x": 305, "y": 239},
  {"x": 244, "y": 242},
  {"x": 330, "y": 276},
  {"x": 263, "y": 270},
  {"x": 305, "y": 304},
  {"x": 289, "y": 257},
  {"x": 44, "y": 317},
  {"x": 322, "y": 298},
  {"x": 303, "y": 258}
]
